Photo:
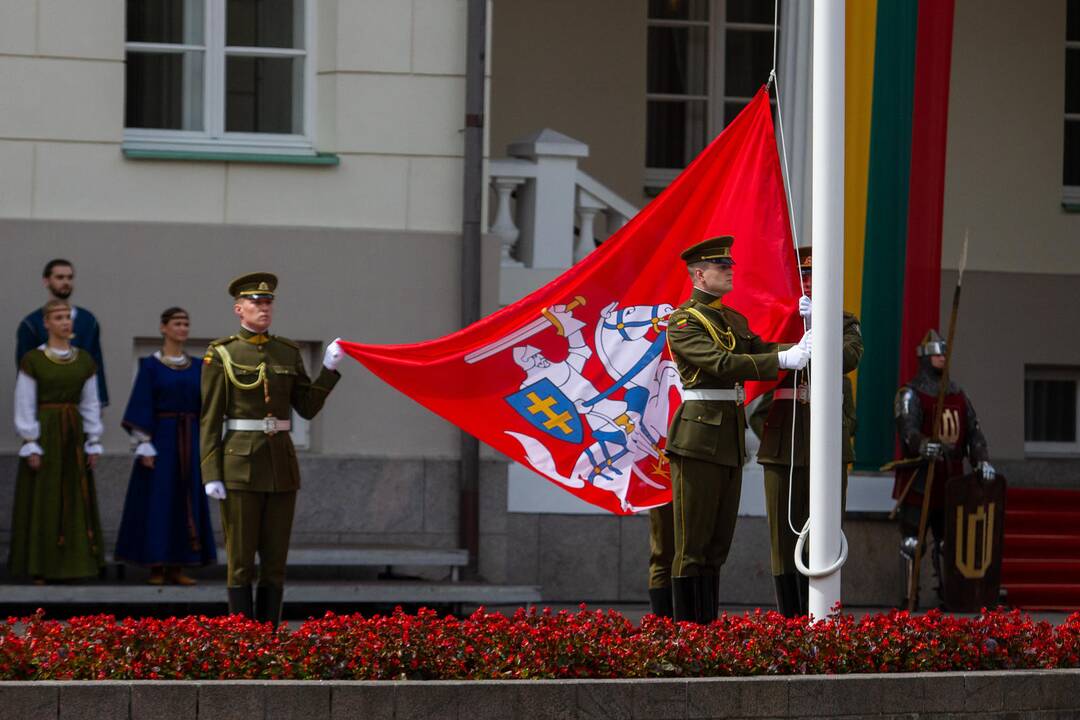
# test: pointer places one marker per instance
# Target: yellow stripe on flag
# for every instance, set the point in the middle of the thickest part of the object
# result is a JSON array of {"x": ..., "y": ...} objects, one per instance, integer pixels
[{"x": 861, "y": 31}]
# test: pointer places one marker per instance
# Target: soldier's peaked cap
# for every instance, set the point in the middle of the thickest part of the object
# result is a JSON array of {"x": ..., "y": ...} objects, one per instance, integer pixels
[
  {"x": 715, "y": 250},
  {"x": 806, "y": 265},
  {"x": 254, "y": 286}
]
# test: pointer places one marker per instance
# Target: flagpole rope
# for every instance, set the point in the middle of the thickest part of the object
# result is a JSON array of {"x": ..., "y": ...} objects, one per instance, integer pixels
[{"x": 786, "y": 177}]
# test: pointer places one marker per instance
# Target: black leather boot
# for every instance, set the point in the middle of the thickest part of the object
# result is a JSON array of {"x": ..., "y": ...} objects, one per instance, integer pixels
[
  {"x": 268, "y": 600},
  {"x": 240, "y": 601},
  {"x": 660, "y": 601},
  {"x": 684, "y": 598},
  {"x": 787, "y": 594},
  {"x": 708, "y": 599}
]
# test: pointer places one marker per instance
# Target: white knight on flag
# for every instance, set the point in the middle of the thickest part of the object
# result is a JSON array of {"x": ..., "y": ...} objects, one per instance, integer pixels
[{"x": 627, "y": 420}]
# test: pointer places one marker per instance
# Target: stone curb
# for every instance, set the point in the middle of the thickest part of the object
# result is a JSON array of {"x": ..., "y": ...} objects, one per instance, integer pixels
[{"x": 1036, "y": 694}]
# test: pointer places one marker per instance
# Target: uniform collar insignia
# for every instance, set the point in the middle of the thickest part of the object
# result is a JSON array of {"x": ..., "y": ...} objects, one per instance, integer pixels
[{"x": 253, "y": 337}]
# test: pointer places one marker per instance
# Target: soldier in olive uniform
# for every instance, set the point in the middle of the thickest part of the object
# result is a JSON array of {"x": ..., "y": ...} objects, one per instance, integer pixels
[
  {"x": 715, "y": 352},
  {"x": 776, "y": 457},
  {"x": 251, "y": 381}
]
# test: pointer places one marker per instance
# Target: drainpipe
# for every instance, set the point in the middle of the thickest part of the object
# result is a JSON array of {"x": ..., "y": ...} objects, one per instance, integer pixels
[{"x": 475, "y": 51}]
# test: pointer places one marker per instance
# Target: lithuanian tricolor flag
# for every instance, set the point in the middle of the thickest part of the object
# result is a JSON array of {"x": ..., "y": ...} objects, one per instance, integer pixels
[{"x": 898, "y": 61}]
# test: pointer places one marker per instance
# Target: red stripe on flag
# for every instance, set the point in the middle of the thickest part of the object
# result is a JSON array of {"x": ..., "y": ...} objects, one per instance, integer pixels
[{"x": 930, "y": 117}]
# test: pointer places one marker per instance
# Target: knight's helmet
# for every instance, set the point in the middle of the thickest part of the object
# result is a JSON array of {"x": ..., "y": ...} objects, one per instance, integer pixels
[{"x": 932, "y": 344}]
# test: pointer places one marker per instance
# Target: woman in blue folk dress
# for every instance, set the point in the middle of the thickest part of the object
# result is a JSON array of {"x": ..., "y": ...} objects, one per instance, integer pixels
[{"x": 166, "y": 520}]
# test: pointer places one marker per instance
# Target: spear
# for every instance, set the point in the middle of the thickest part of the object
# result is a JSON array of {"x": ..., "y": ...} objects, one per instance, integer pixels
[{"x": 936, "y": 434}]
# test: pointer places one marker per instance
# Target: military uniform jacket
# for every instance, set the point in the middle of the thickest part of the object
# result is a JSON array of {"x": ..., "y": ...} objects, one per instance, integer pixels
[
  {"x": 714, "y": 430},
  {"x": 776, "y": 434},
  {"x": 262, "y": 376}
]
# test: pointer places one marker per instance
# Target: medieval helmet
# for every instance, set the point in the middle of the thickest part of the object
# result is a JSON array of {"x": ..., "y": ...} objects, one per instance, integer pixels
[{"x": 932, "y": 344}]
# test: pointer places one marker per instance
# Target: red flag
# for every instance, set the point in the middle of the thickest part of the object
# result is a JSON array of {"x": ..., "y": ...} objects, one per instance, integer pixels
[{"x": 575, "y": 380}]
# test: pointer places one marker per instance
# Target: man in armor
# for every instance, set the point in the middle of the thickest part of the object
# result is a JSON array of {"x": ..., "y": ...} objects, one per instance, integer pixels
[{"x": 960, "y": 437}]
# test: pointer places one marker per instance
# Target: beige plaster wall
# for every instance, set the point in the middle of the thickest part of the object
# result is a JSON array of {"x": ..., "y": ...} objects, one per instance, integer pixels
[
  {"x": 1005, "y": 140},
  {"x": 577, "y": 67},
  {"x": 389, "y": 100}
]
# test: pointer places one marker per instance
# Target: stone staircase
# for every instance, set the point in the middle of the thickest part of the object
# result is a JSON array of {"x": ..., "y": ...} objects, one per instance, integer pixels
[{"x": 1040, "y": 566}]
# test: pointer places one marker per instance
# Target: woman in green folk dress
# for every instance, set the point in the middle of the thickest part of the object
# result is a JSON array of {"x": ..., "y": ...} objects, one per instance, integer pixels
[{"x": 55, "y": 528}]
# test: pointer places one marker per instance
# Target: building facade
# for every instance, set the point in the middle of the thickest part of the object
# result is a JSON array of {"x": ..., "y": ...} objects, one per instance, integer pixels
[{"x": 166, "y": 147}]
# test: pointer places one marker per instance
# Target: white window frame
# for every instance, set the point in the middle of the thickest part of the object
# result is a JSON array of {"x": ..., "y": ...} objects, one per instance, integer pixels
[
  {"x": 214, "y": 138},
  {"x": 1055, "y": 449},
  {"x": 715, "y": 99}
]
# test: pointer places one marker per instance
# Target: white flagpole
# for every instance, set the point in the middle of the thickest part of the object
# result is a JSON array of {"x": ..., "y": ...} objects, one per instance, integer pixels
[{"x": 828, "y": 292}]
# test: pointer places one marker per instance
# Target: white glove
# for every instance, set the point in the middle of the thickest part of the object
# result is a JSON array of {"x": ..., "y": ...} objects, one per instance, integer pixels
[
  {"x": 30, "y": 448},
  {"x": 568, "y": 323},
  {"x": 805, "y": 307},
  {"x": 332, "y": 356},
  {"x": 145, "y": 449},
  {"x": 92, "y": 447},
  {"x": 215, "y": 489},
  {"x": 806, "y": 341},
  {"x": 987, "y": 470},
  {"x": 794, "y": 358}
]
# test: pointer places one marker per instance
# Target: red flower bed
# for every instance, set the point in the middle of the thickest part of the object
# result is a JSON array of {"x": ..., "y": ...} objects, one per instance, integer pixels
[{"x": 585, "y": 644}]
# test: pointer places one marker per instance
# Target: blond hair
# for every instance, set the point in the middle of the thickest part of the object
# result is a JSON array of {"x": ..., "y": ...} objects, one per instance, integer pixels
[{"x": 53, "y": 305}]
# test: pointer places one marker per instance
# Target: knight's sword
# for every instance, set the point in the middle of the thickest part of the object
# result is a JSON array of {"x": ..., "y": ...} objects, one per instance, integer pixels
[{"x": 538, "y": 325}]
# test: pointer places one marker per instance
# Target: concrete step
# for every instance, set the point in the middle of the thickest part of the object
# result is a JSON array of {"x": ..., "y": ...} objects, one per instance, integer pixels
[
  {"x": 372, "y": 556},
  {"x": 116, "y": 596}
]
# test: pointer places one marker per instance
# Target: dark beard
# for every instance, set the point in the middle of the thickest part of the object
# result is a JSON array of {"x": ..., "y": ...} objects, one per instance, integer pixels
[{"x": 61, "y": 294}]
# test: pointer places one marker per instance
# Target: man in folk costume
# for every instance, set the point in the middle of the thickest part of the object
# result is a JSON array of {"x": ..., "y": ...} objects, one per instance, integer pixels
[
  {"x": 961, "y": 436},
  {"x": 251, "y": 382},
  {"x": 781, "y": 461},
  {"x": 715, "y": 351},
  {"x": 59, "y": 280}
]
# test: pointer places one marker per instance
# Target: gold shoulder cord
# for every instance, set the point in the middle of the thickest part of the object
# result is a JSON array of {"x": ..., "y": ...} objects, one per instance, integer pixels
[
  {"x": 723, "y": 338},
  {"x": 260, "y": 370}
]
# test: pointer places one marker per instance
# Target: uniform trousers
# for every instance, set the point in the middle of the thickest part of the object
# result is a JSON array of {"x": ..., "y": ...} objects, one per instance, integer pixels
[
  {"x": 661, "y": 546},
  {"x": 781, "y": 539},
  {"x": 706, "y": 504},
  {"x": 257, "y": 522}
]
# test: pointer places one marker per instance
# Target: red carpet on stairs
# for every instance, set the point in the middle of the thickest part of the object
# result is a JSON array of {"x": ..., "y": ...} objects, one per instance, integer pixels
[{"x": 1040, "y": 564}]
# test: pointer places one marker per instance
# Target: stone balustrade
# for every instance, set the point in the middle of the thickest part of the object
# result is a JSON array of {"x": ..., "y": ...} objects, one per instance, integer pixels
[{"x": 545, "y": 210}]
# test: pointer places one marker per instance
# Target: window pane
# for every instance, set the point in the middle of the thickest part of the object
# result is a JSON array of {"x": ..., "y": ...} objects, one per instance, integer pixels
[
  {"x": 164, "y": 90},
  {"x": 731, "y": 109},
  {"x": 265, "y": 23},
  {"x": 1072, "y": 22},
  {"x": 750, "y": 11},
  {"x": 1071, "y": 174},
  {"x": 679, "y": 9},
  {"x": 1050, "y": 411},
  {"x": 678, "y": 60},
  {"x": 264, "y": 95},
  {"x": 165, "y": 21},
  {"x": 675, "y": 133},
  {"x": 1072, "y": 81},
  {"x": 747, "y": 62}
]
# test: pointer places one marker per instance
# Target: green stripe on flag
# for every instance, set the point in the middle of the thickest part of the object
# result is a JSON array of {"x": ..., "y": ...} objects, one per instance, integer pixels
[{"x": 886, "y": 229}]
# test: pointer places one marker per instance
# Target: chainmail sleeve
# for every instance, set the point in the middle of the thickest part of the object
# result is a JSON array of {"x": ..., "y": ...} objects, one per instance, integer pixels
[{"x": 908, "y": 413}]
